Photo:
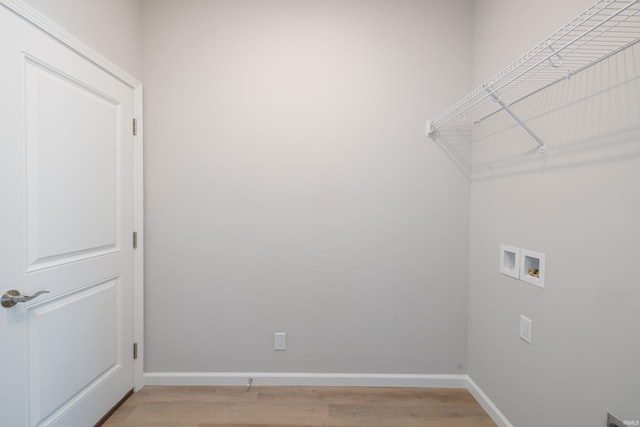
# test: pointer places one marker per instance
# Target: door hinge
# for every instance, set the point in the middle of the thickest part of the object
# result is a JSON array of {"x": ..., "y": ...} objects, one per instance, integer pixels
[
  {"x": 135, "y": 127},
  {"x": 135, "y": 240},
  {"x": 135, "y": 350}
]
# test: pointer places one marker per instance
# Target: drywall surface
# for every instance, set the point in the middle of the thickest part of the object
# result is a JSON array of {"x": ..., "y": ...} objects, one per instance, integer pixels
[
  {"x": 579, "y": 204},
  {"x": 111, "y": 27},
  {"x": 290, "y": 186}
]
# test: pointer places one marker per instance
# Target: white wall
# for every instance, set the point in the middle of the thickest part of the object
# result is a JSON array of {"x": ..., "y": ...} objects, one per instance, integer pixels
[
  {"x": 290, "y": 186},
  {"x": 111, "y": 27},
  {"x": 580, "y": 204}
]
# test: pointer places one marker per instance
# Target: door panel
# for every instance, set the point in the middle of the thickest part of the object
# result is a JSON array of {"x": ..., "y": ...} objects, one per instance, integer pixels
[
  {"x": 66, "y": 221},
  {"x": 72, "y": 169},
  {"x": 90, "y": 357}
]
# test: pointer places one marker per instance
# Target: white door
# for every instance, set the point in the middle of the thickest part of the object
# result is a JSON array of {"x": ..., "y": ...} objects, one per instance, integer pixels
[{"x": 65, "y": 227}]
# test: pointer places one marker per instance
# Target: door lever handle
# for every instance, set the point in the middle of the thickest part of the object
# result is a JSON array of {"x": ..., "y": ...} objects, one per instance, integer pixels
[{"x": 12, "y": 297}]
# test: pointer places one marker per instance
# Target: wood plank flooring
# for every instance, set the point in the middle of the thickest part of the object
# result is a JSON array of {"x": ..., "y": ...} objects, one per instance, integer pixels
[{"x": 188, "y": 406}]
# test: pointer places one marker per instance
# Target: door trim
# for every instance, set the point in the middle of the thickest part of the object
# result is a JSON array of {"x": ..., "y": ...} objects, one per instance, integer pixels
[
  {"x": 22, "y": 9},
  {"x": 34, "y": 17}
]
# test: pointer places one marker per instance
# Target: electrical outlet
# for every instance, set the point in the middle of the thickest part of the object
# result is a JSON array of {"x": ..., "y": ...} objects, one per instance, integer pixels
[
  {"x": 280, "y": 341},
  {"x": 525, "y": 328}
]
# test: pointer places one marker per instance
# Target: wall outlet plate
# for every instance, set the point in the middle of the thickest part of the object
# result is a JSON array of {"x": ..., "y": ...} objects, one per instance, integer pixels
[
  {"x": 525, "y": 328},
  {"x": 280, "y": 341},
  {"x": 510, "y": 261}
]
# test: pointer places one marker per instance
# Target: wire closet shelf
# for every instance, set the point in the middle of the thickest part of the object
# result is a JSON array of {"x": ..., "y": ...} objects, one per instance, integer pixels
[{"x": 597, "y": 33}]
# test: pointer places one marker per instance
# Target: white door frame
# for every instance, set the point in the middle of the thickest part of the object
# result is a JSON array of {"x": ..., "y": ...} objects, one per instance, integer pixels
[{"x": 56, "y": 32}]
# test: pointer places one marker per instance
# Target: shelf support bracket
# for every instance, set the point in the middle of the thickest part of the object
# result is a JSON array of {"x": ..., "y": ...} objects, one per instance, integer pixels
[
  {"x": 430, "y": 129},
  {"x": 496, "y": 97}
]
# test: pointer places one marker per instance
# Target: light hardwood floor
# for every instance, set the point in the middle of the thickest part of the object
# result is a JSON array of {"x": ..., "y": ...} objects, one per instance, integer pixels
[{"x": 299, "y": 406}]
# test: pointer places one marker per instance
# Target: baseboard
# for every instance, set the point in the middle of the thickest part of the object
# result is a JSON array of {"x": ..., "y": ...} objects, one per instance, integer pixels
[
  {"x": 304, "y": 379},
  {"x": 496, "y": 415}
]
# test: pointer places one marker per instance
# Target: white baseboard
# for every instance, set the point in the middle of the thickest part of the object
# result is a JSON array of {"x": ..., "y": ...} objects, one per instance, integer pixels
[
  {"x": 496, "y": 415},
  {"x": 329, "y": 380},
  {"x": 303, "y": 379}
]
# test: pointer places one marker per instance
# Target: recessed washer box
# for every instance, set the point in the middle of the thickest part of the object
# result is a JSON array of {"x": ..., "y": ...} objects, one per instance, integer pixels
[
  {"x": 532, "y": 267},
  {"x": 510, "y": 261}
]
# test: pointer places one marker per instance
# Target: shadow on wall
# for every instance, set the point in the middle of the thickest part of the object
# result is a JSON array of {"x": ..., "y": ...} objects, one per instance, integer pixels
[
  {"x": 455, "y": 141},
  {"x": 591, "y": 118}
]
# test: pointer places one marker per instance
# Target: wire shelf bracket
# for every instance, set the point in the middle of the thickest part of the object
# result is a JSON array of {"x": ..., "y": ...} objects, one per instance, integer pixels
[
  {"x": 604, "y": 28},
  {"x": 497, "y": 98}
]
